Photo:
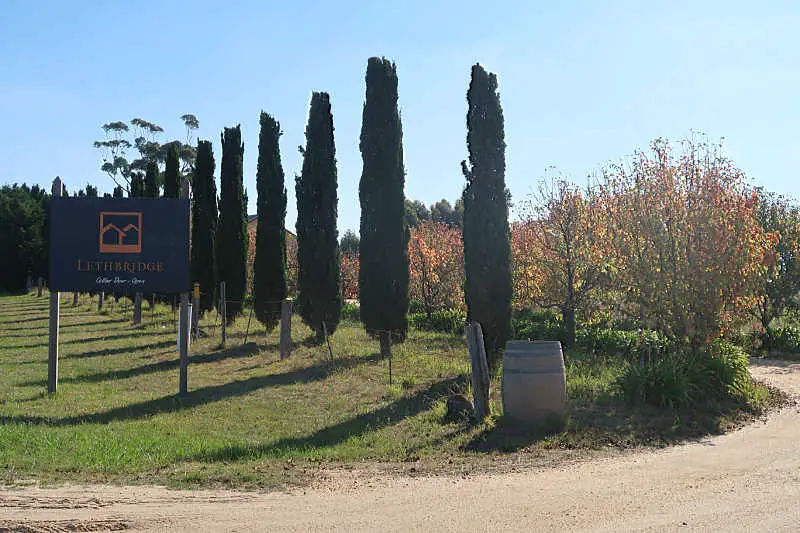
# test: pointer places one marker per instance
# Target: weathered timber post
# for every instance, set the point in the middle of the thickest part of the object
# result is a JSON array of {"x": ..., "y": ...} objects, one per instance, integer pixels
[
  {"x": 55, "y": 304},
  {"x": 137, "y": 308},
  {"x": 196, "y": 311},
  {"x": 75, "y": 296},
  {"x": 29, "y": 284},
  {"x": 286, "y": 328},
  {"x": 223, "y": 311},
  {"x": 327, "y": 339},
  {"x": 40, "y": 289},
  {"x": 249, "y": 319},
  {"x": 480, "y": 369},
  {"x": 101, "y": 297}
]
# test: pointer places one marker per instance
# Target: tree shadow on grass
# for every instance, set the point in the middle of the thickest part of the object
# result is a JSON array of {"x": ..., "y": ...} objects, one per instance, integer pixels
[
  {"x": 312, "y": 341},
  {"x": 94, "y": 323},
  {"x": 23, "y": 304},
  {"x": 376, "y": 420},
  {"x": 43, "y": 328},
  {"x": 247, "y": 350},
  {"x": 9, "y": 309},
  {"x": 614, "y": 424},
  {"x": 31, "y": 333},
  {"x": 24, "y": 313},
  {"x": 22, "y": 319},
  {"x": 122, "y": 349},
  {"x": 507, "y": 436},
  {"x": 88, "y": 340},
  {"x": 194, "y": 398}
]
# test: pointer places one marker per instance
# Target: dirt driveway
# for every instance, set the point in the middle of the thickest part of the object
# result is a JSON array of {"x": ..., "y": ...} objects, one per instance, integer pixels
[{"x": 745, "y": 481}]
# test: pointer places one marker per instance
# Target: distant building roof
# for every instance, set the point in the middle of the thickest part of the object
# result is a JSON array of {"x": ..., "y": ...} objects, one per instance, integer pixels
[{"x": 253, "y": 218}]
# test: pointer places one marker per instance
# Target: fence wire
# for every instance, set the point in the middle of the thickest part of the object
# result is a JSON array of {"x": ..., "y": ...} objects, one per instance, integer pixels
[{"x": 422, "y": 357}]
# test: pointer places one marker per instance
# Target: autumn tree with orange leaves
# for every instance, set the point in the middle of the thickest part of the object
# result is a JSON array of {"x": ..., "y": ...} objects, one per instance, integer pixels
[
  {"x": 526, "y": 271},
  {"x": 349, "y": 266},
  {"x": 688, "y": 249},
  {"x": 436, "y": 261},
  {"x": 560, "y": 251}
]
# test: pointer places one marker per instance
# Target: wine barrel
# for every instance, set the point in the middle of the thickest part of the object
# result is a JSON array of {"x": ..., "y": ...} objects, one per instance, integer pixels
[{"x": 534, "y": 383}]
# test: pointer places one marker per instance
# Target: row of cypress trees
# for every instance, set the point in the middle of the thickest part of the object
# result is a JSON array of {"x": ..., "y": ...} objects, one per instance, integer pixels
[
  {"x": 383, "y": 249},
  {"x": 384, "y": 235}
]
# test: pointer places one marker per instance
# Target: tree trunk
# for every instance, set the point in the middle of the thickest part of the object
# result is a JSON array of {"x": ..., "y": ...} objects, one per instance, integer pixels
[
  {"x": 569, "y": 325},
  {"x": 386, "y": 345}
]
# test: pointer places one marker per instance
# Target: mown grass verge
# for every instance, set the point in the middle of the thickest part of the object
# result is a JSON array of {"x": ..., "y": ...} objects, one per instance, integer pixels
[{"x": 252, "y": 420}]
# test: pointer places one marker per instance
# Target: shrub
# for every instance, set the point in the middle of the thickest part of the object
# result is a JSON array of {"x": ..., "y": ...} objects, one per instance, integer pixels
[
  {"x": 351, "y": 312},
  {"x": 728, "y": 364},
  {"x": 537, "y": 325},
  {"x": 782, "y": 339},
  {"x": 416, "y": 306},
  {"x": 631, "y": 345},
  {"x": 445, "y": 321},
  {"x": 681, "y": 378}
]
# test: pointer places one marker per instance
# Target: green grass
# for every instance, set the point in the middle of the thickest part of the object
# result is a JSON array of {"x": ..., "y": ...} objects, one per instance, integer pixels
[{"x": 251, "y": 419}]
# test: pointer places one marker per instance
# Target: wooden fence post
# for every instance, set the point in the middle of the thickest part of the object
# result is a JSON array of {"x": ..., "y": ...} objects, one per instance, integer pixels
[
  {"x": 480, "y": 369},
  {"x": 40, "y": 289},
  {"x": 196, "y": 311},
  {"x": 101, "y": 296},
  {"x": 55, "y": 304},
  {"x": 223, "y": 311},
  {"x": 75, "y": 296},
  {"x": 29, "y": 284},
  {"x": 286, "y": 328},
  {"x": 137, "y": 308}
]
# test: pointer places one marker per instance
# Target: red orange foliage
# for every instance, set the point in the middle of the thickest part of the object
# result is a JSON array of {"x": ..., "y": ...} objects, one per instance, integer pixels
[
  {"x": 688, "y": 249},
  {"x": 349, "y": 274},
  {"x": 436, "y": 262},
  {"x": 559, "y": 251}
]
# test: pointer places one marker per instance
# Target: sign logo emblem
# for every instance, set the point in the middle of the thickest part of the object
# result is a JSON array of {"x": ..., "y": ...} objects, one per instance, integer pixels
[{"x": 120, "y": 233}]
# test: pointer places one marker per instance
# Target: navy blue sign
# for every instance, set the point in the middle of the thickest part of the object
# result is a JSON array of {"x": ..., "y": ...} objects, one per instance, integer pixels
[{"x": 120, "y": 245}]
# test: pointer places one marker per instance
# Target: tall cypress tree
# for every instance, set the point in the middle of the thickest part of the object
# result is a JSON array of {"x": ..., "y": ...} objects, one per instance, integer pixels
[
  {"x": 172, "y": 173},
  {"x": 118, "y": 192},
  {"x": 269, "y": 266},
  {"x": 137, "y": 186},
  {"x": 205, "y": 219},
  {"x": 151, "y": 188},
  {"x": 383, "y": 275},
  {"x": 232, "y": 238},
  {"x": 487, "y": 250},
  {"x": 319, "y": 290}
]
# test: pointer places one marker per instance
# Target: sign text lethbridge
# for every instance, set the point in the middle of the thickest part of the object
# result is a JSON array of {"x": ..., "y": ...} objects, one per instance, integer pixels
[{"x": 121, "y": 245}]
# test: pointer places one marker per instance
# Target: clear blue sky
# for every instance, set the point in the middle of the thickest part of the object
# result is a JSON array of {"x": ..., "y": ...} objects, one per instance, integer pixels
[{"x": 581, "y": 83}]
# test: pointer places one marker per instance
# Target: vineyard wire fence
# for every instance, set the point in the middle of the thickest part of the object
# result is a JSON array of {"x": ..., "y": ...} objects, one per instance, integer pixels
[{"x": 405, "y": 367}]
